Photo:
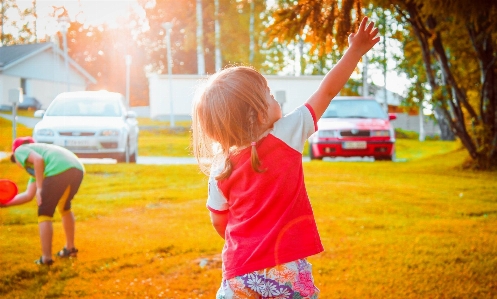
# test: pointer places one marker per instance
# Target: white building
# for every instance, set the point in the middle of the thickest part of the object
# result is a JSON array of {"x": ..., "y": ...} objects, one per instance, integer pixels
[
  {"x": 40, "y": 70},
  {"x": 290, "y": 91}
]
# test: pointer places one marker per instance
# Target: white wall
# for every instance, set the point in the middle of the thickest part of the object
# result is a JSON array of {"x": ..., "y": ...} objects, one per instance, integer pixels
[
  {"x": 297, "y": 91},
  {"x": 183, "y": 90}
]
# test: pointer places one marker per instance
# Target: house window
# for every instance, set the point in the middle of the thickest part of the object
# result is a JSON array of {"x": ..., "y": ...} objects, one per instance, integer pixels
[{"x": 23, "y": 85}]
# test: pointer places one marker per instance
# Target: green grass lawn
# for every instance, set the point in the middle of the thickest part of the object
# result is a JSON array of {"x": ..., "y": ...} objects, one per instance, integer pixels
[{"x": 424, "y": 228}]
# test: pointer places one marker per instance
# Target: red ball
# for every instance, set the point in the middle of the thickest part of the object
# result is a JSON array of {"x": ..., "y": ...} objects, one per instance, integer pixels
[{"x": 8, "y": 190}]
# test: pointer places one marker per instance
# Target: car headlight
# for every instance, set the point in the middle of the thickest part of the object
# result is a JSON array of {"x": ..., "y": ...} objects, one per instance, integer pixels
[
  {"x": 44, "y": 132},
  {"x": 327, "y": 133},
  {"x": 110, "y": 133},
  {"x": 380, "y": 133}
]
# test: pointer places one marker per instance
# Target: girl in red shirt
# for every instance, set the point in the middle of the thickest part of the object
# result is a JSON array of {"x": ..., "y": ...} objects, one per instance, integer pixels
[{"x": 253, "y": 156}]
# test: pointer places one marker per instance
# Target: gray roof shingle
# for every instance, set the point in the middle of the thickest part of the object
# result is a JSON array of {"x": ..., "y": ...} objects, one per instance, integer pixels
[{"x": 11, "y": 54}]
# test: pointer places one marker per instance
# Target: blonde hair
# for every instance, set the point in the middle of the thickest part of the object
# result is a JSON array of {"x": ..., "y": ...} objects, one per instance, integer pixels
[{"x": 225, "y": 118}]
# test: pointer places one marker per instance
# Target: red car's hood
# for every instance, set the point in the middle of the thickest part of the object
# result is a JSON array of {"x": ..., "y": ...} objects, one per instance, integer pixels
[{"x": 353, "y": 123}]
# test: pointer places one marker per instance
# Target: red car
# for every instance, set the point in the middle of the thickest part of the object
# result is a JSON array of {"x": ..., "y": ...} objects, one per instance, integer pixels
[{"x": 354, "y": 127}]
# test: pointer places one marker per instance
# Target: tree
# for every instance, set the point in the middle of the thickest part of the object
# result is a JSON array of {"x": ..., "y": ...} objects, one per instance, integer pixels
[
  {"x": 183, "y": 38},
  {"x": 101, "y": 50},
  {"x": 458, "y": 39},
  {"x": 234, "y": 23},
  {"x": 462, "y": 42},
  {"x": 24, "y": 21}
]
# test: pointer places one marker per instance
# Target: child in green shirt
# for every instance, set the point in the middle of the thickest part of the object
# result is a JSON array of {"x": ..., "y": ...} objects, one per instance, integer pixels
[{"x": 56, "y": 174}]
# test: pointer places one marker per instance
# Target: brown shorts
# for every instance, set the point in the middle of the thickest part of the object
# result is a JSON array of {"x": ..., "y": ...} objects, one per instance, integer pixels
[{"x": 58, "y": 191}]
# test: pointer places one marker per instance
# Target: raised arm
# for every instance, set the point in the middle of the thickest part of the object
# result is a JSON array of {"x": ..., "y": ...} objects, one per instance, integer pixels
[{"x": 360, "y": 43}]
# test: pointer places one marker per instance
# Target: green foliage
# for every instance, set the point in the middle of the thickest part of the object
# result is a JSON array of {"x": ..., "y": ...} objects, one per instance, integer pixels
[{"x": 403, "y": 134}]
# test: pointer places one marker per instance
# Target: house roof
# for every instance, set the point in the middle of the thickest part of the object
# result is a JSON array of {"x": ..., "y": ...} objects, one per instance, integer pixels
[{"x": 12, "y": 55}]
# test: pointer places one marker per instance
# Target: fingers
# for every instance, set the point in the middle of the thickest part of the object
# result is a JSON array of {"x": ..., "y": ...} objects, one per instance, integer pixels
[
  {"x": 362, "y": 26},
  {"x": 370, "y": 27}
]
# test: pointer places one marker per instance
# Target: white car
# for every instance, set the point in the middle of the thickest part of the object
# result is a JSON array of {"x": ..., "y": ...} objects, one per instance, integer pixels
[{"x": 91, "y": 124}]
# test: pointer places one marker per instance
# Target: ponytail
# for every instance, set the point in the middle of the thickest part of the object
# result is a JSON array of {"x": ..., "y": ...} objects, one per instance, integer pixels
[{"x": 254, "y": 157}]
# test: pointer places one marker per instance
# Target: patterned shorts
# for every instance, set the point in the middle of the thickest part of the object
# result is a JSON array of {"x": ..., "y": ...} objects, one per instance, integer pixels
[{"x": 286, "y": 281}]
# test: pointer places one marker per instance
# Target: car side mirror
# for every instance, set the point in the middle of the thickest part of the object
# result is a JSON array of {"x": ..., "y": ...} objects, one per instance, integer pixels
[
  {"x": 392, "y": 116},
  {"x": 131, "y": 114},
  {"x": 39, "y": 113}
]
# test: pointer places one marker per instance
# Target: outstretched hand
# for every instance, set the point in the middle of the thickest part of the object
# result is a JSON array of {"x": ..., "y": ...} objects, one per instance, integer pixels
[{"x": 365, "y": 37}]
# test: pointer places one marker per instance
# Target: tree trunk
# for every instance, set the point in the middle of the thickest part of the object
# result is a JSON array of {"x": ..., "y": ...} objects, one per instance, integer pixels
[
  {"x": 217, "y": 32},
  {"x": 252, "y": 33},
  {"x": 482, "y": 44},
  {"x": 446, "y": 131},
  {"x": 200, "y": 38}
]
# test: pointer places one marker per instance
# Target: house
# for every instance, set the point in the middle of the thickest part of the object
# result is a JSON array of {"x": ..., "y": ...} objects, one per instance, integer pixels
[{"x": 41, "y": 71}]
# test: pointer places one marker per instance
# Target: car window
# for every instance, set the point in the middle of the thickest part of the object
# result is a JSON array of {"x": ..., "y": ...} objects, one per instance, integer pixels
[
  {"x": 85, "y": 107},
  {"x": 354, "y": 109}
]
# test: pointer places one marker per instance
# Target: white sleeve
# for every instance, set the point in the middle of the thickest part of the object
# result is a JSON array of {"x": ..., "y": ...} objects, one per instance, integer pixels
[
  {"x": 295, "y": 127},
  {"x": 216, "y": 200}
]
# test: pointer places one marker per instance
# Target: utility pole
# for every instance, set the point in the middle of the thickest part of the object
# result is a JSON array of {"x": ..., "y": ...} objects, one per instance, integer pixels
[
  {"x": 64, "y": 24},
  {"x": 128, "y": 66},
  {"x": 385, "y": 64},
  {"x": 168, "y": 26}
]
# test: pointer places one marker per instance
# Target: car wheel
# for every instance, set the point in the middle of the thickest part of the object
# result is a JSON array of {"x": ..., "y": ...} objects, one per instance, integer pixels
[
  {"x": 386, "y": 158},
  {"x": 393, "y": 156},
  {"x": 134, "y": 156},
  {"x": 124, "y": 157},
  {"x": 311, "y": 153},
  {"x": 121, "y": 158}
]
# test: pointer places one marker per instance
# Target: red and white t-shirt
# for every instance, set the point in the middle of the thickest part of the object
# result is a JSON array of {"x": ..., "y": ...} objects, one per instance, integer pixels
[{"x": 270, "y": 219}]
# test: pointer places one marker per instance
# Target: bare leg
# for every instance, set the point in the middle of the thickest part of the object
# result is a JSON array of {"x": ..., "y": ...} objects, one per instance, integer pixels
[
  {"x": 69, "y": 225},
  {"x": 46, "y": 233}
]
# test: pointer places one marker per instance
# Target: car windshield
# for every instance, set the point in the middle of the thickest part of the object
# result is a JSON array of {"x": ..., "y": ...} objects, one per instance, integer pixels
[
  {"x": 354, "y": 109},
  {"x": 85, "y": 107}
]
